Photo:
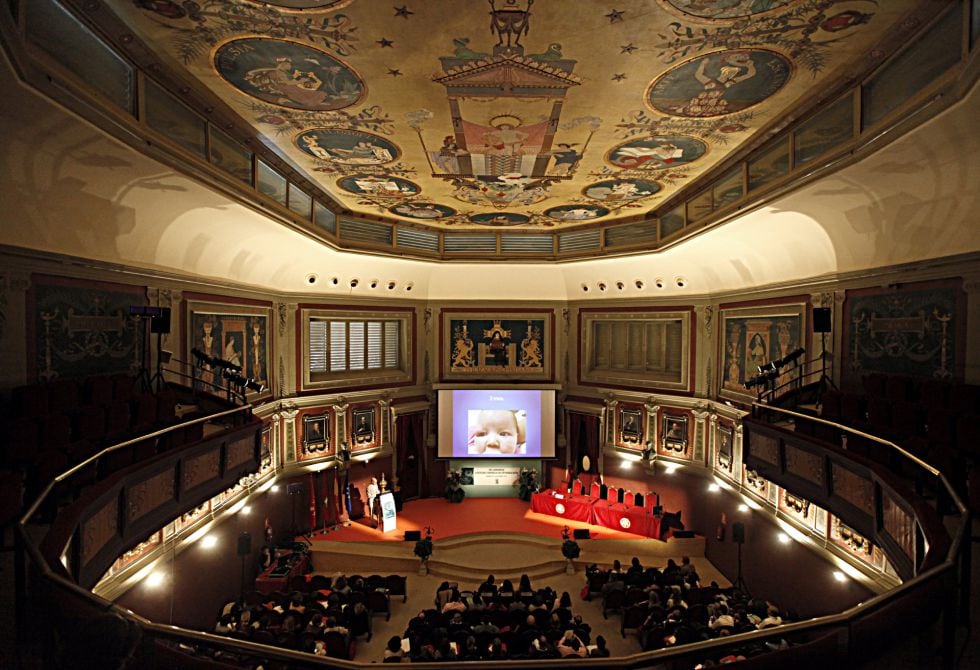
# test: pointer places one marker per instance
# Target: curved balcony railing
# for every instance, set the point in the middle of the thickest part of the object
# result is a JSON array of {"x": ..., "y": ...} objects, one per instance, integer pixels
[{"x": 852, "y": 635}]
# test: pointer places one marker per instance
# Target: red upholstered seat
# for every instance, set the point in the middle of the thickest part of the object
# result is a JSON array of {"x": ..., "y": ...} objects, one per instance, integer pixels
[
  {"x": 628, "y": 498},
  {"x": 594, "y": 490},
  {"x": 62, "y": 396},
  {"x": 612, "y": 495},
  {"x": 577, "y": 487},
  {"x": 97, "y": 391},
  {"x": 30, "y": 401}
]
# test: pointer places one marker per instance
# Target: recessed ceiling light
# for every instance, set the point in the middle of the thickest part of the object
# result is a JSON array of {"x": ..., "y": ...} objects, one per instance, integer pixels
[
  {"x": 840, "y": 576},
  {"x": 311, "y": 278},
  {"x": 659, "y": 283},
  {"x": 783, "y": 537}
]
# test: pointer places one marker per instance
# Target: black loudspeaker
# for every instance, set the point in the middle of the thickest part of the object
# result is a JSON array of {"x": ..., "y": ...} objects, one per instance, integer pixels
[
  {"x": 738, "y": 532},
  {"x": 244, "y": 544},
  {"x": 581, "y": 534},
  {"x": 821, "y": 319},
  {"x": 161, "y": 323},
  {"x": 413, "y": 535},
  {"x": 345, "y": 455},
  {"x": 683, "y": 533}
]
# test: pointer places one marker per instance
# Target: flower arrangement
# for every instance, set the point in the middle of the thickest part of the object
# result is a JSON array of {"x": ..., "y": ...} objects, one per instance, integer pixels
[
  {"x": 423, "y": 547},
  {"x": 569, "y": 547},
  {"x": 454, "y": 491},
  {"x": 527, "y": 483}
]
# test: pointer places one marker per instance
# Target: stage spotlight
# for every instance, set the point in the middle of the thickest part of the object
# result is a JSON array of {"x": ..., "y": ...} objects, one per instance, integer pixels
[
  {"x": 790, "y": 357},
  {"x": 767, "y": 367},
  {"x": 253, "y": 385}
]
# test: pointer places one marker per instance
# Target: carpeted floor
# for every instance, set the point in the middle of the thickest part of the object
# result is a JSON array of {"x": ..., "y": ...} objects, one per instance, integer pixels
[{"x": 473, "y": 515}]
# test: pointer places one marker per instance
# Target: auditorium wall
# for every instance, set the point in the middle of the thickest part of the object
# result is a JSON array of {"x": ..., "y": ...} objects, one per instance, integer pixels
[
  {"x": 200, "y": 581},
  {"x": 788, "y": 574}
]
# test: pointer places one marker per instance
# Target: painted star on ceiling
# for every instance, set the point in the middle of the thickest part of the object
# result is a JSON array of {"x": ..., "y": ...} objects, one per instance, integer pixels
[
  {"x": 403, "y": 11},
  {"x": 384, "y": 42},
  {"x": 628, "y": 48},
  {"x": 615, "y": 16}
]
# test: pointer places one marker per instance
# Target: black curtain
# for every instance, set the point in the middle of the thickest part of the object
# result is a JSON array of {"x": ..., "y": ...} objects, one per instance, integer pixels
[
  {"x": 583, "y": 440},
  {"x": 410, "y": 429}
]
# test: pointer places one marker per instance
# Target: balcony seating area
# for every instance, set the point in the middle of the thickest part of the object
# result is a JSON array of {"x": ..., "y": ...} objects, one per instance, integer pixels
[
  {"x": 939, "y": 422},
  {"x": 46, "y": 428}
]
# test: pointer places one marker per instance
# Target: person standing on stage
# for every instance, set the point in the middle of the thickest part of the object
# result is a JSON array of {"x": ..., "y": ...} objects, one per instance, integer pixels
[{"x": 372, "y": 495}]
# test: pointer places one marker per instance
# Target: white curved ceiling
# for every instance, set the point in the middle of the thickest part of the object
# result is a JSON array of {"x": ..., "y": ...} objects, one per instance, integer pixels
[{"x": 69, "y": 189}]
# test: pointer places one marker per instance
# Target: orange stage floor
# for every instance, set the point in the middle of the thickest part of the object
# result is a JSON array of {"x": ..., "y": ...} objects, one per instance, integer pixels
[{"x": 473, "y": 515}]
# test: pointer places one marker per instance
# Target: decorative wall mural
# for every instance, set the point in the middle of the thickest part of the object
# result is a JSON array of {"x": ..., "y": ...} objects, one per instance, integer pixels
[
  {"x": 346, "y": 147},
  {"x": 229, "y": 332},
  {"x": 576, "y": 212},
  {"x": 422, "y": 210},
  {"x": 482, "y": 105},
  {"x": 512, "y": 345},
  {"x": 83, "y": 328},
  {"x": 752, "y": 337},
  {"x": 719, "y": 83},
  {"x": 288, "y": 74},
  {"x": 912, "y": 331},
  {"x": 621, "y": 190},
  {"x": 656, "y": 153},
  {"x": 383, "y": 187},
  {"x": 726, "y": 9}
]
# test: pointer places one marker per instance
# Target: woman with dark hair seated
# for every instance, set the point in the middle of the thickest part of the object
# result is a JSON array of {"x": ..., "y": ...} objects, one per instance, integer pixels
[
  {"x": 600, "y": 650},
  {"x": 393, "y": 650},
  {"x": 525, "y": 584}
]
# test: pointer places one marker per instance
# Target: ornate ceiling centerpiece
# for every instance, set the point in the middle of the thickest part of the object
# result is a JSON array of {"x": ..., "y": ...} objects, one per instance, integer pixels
[{"x": 524, "y": 114}]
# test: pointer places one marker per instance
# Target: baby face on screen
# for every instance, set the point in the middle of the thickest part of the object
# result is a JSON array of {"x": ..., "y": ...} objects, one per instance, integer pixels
[{"x": 496, "y": 431}]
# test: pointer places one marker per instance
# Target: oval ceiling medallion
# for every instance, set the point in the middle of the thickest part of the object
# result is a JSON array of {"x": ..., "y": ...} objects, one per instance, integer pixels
[
  {"x": 621, "y": 190},
  {"x": 719, "y": 83},
  {"x": 347, "y": 147},
  {"x": 725, "y": 9},
  {"x": 305, "y": 4},
  {"x": 500, "y": 219},
  {"x": 576, "y": 212},
  {"x": 657, "y": 153},
  {"x": 379, "y": 186},
  {"x": 422, "y": 210},
  {"x": 288, "y": 74}
]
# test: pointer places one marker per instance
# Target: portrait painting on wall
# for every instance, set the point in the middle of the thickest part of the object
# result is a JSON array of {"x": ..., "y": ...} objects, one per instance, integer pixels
[
  {"x": 80, "y": 328},
  {"x": 751, "y": 338},
  {"x": 316, "y": 435},
  {"x": 674, "y": 436},
  {"x": 363, "y": 427},
  {"x": 504, "y": 345},
  {"x": 630, "y": 426},
  {"x": 233, "y": 333},
  {"x": 724, "y": 451}
]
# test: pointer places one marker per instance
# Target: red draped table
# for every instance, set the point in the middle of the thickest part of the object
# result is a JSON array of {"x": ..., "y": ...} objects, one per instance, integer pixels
[
  {"x": 630, "y": 519},
  {"x": 618, "y": 516},
  {"x": 568, "y": 506}
]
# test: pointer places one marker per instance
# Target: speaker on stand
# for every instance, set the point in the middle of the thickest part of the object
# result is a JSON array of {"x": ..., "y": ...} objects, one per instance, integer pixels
[
  {"x": 738, "y": 537},
  {"x": 822, "y": 324},
  {"x": 244, "y": 549}
]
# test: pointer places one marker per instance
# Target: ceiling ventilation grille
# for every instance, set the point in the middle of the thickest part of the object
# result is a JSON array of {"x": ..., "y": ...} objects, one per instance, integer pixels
[
  {"x": 362, "y": 231},
  {"x": 644, "y": 232},
  {"x": 526, "y": 244},
  {"x": 417, "y": 239},
  {"x": 584, "y": 240},
  {"x": 469, "y": 244}
]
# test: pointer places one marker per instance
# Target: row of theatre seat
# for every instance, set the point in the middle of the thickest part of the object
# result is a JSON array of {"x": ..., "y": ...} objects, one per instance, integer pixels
[
  {"x": 938, "y": 422},
  {"x": 47, "y": 428}
]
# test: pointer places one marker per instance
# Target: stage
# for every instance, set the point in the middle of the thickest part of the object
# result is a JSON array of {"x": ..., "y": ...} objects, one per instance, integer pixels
[{"x": 481, "y": 535}]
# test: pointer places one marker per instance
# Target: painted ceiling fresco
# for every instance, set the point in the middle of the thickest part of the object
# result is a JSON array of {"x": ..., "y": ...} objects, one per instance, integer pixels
[{"x": 520, "y": 113}]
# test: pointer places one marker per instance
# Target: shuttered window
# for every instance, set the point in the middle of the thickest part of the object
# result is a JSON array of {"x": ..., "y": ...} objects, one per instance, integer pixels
[{"x": 353, "y": 345}]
